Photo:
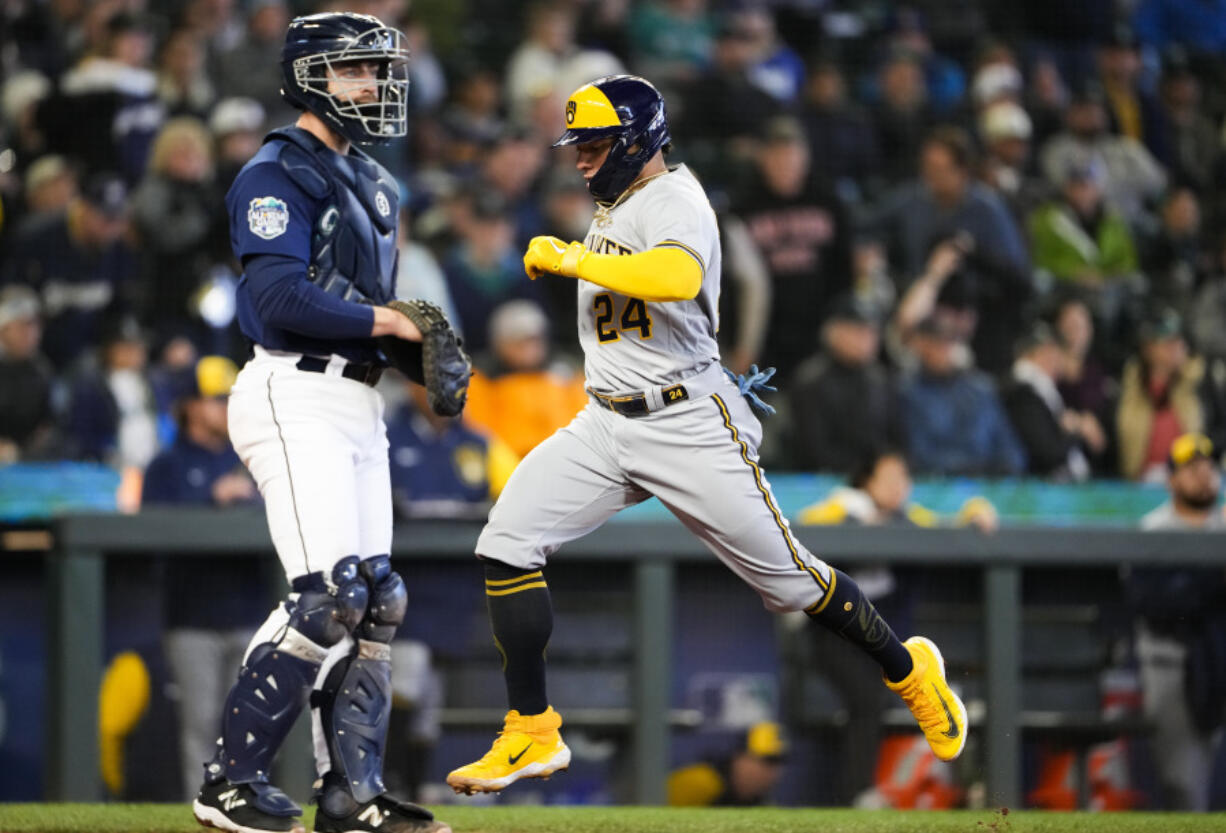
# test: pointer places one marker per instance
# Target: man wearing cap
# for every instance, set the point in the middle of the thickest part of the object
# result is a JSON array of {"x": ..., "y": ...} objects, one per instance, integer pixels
[
  {"x": 484, "y": 269},
  {"x": 516, "y": 393},
  {"x": 1079, "y": 238},
  {"x": 844, "y": 403},
  {"x": 1191, "y": 134},
  {"x": 1131, "y": 108},
  {"x": 1165, "y": 391},
  {"x": 443, "y": 467},
  {"x": 842, "y": 143},
  {"x": 509, "y": 169},
  {"x": 724, "y": 111},
  {"x": 743, "y": 779},
  {"x": 78, "y": 263},
  {"x": 1179, "y": 610},
  {"x": 1133, "y": 176},
  {"x": 111, "y": 415},
  {"x": 210, "y": 613},
  {"x": 1005, "y": 129},
  {"x": 201, "y": 467},
  {"x": 27, "y": 424},
  {"x": 954, "y": 421},
  {"x": 237, "y": 125},
  {"x": 803, "y": 232}
]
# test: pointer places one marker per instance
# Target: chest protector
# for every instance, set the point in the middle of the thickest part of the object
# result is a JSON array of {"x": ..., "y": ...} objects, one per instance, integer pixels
[{"x": 353, "y": 244}]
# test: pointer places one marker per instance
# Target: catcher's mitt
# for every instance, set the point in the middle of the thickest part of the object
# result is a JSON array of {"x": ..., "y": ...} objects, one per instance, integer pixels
[{"x": 437, "y": 362}]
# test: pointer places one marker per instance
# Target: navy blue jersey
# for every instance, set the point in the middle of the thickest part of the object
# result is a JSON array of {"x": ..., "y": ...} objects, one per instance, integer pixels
[
  {"x": 272, "y": 220},
  {"x": 184, "y": 474},
  {"x": 223, "y": 594},
  {"x": 433, "y": 471}
]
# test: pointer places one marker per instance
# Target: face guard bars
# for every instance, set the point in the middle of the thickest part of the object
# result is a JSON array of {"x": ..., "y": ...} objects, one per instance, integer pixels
[{"x": 387, "y": 116}]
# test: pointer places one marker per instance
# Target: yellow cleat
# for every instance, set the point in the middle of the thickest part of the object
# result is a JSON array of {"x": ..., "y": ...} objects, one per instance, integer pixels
[
  {"x": 938, "y": 710},
  {"x": 529, "y": 746}
]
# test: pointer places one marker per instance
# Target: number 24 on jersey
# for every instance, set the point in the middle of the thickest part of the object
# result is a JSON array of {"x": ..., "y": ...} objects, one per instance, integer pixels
[{"x": 610, "y": 325}]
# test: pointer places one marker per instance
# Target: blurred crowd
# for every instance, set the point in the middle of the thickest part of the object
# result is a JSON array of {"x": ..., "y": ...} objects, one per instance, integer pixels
[{"x": 989, "y": 234}]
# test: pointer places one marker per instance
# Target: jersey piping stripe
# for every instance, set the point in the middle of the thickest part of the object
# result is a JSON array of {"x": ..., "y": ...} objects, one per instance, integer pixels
[
  {"x": 293, "y": 497},
  {"x": 677, "y": 244},
  {"x": 766, "y": 498},
  {"x": 519, "y": 589},
  {"x": 505, "y": 581}
]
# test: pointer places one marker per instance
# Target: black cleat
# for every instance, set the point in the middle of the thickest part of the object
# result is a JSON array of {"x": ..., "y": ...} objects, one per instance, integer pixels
[
  {"x": 381, "y": 815},
  {"x": 233, "y": 807},
  {"x": 338, "y": 812}
]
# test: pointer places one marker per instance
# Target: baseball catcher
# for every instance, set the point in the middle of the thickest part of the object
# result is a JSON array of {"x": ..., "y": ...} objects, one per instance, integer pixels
[{"x": 313, "y": 220}]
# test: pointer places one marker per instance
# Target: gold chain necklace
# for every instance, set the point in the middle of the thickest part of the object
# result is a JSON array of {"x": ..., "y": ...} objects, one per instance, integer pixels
[{"x": 604, "y": 211}]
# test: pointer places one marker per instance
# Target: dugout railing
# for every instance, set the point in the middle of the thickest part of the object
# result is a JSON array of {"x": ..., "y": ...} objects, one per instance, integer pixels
[{"x": 75, "y": 582}]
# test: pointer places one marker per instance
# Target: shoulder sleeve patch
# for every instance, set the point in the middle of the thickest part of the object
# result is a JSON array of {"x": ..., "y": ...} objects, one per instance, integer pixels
[{"x": 267, "y": 217}]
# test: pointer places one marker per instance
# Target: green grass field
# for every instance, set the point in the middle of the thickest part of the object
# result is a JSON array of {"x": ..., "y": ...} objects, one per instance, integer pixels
[{"x": 177, "y": 818}]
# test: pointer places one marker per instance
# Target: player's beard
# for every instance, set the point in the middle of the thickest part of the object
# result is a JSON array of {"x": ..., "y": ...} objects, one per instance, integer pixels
[{"x": 1200, "y": 500}]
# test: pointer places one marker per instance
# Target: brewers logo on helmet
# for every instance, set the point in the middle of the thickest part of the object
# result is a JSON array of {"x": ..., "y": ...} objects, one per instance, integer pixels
[{"x": 627, "y": 109}]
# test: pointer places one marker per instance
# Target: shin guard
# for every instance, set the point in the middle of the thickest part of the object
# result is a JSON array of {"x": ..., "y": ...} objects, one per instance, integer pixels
[
  {"x": 355, "y": 701},
  {"x": 277, "y": 675}
]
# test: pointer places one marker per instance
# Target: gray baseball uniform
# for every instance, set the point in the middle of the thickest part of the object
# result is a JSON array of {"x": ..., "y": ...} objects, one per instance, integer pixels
[{"x": 695, "y": 444}]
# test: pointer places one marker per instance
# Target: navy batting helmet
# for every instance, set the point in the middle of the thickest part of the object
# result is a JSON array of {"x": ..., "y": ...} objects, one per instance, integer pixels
[
  {"x": 316, "y": 44},
  {"x": 628, "y": 109}
]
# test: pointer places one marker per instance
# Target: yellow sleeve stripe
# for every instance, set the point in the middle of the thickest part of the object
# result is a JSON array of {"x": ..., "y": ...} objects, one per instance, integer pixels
[
  {"x": 519, "y": 589},
  {"x": 504, "y": 582},
  {"x": 677, "y": 244}
]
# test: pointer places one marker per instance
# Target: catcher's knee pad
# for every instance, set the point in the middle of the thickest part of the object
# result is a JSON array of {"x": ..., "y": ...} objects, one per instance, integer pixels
[
  {"x": 355, "y": 701},
  {"x": 347, "y": 590},
  {"x": 388, "y": 600},
  {"x": 277, "y": 675}
]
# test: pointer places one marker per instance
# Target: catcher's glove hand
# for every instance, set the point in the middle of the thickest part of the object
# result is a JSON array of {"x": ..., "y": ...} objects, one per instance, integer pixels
[{"x": 438, "y": 362}]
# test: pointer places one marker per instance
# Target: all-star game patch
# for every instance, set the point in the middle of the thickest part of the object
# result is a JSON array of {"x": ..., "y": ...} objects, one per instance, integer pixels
[{"x": 268, "y": 217}]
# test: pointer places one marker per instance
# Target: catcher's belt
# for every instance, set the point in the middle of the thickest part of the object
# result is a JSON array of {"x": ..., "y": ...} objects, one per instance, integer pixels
[{"x": 367, "y": 374}]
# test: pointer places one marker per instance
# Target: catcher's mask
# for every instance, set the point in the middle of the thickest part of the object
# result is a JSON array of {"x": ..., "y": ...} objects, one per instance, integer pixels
[
  {"x": 317, "y": 44},
  {"x": 628, "y": 109}
]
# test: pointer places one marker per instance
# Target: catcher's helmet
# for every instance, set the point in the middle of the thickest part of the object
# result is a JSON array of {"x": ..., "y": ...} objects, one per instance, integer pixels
[
  {"x": 317, "y": 43},
  {"x": 630, "y": 110}
]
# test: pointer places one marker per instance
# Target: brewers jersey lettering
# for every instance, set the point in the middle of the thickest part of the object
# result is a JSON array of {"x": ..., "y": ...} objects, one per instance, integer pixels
[{"x": 628, "y": 343}]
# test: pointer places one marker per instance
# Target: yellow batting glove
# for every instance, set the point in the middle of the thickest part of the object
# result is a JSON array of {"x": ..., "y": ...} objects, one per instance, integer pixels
[{"x": 551, "y": 255}]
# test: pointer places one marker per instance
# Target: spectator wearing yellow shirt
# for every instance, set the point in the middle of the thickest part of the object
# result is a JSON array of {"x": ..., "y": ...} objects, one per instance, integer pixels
[
  {"x": 879, "y": 493},
  {"x": 743, "y": 779},
  {"x": 517, "y": 396}
]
